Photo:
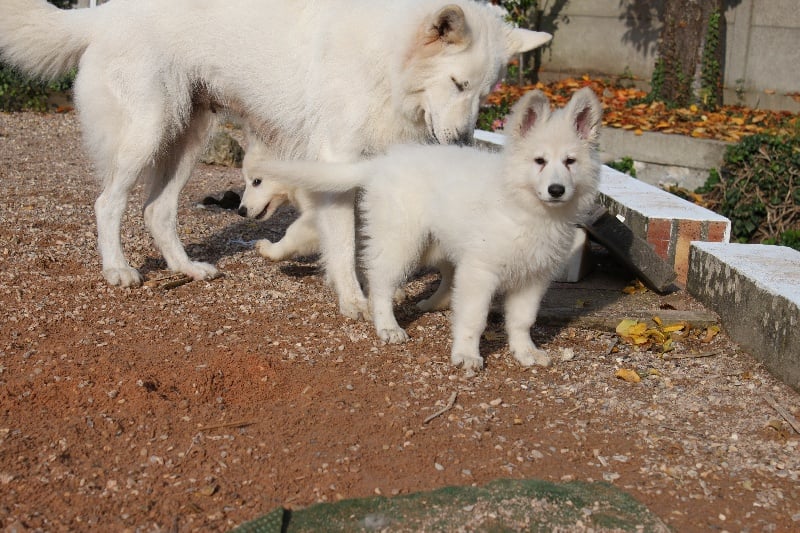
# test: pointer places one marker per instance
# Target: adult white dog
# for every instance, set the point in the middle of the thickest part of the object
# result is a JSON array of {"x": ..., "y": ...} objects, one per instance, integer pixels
[
  {"x": 327, "y": 80},
  {"x": 490, "y": 222}
]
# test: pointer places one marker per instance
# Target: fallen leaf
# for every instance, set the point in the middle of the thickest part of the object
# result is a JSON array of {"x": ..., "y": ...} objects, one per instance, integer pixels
[
  {"x": 711, "y": 332},
  {"x": 628, "y": 375}
]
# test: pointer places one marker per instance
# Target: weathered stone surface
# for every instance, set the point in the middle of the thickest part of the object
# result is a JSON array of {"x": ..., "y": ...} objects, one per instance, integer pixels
[{"x": 755, "y": 289}]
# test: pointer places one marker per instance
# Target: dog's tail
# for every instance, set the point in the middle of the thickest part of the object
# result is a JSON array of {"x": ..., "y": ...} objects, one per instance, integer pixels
[
  {"x": 40, "y": 39},
  {"x": 316, "y": 175}
]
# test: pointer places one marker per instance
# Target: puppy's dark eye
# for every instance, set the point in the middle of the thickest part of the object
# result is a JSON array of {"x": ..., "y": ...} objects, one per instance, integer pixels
[
  {"x": 256, "y": 182},
  {"x": 569, "y": 161},
  {"x": 460, "y": 85},
  {"x": 540, "y": 161}
]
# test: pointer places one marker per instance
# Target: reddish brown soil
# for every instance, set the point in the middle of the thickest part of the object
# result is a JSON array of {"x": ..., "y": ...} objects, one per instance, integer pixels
[{"x": 207, "y": 405}]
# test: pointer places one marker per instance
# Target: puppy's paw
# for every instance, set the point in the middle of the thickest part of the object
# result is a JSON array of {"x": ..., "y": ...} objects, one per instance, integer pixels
[
  {"x": 467, "y": 362},
  {"x": 393, "y": 335},
  {"x": 269, "y": 250},
  {"x": 532, "y": 356},
  {"x": 431, "y": 304},
  {"x": 199, "y": 271},
  {"x": 123, "y": 277}
]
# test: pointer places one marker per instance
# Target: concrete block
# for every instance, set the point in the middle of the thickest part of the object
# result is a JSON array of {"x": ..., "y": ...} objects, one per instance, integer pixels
[
  {"x": 755, "y": 289},
  {"x": 668, "y": 222}
]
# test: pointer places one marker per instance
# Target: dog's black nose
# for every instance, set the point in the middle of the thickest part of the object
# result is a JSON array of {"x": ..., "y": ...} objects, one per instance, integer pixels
[
  {"x": 556, "y": 191},
  {"x": 242, "y": 211},
  {"x": 464, "y": 139}
]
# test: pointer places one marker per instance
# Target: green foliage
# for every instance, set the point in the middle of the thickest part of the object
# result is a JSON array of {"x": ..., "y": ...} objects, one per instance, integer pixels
[
  {"x": 711, "y": 70},
  {"x": 624, "y": 165},
  {"x": 493, "y": 117},
  {"x": 18, "y": 92},
  {"x": 758, "y": 189}
]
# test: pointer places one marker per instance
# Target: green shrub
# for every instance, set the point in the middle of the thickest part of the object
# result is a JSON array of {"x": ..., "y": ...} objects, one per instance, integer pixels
[
  {"x": 758, "y": 189},
  {"x": 624, "y": 165}
]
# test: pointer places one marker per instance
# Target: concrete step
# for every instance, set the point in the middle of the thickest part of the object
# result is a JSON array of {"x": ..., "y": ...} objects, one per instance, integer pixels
[
  {"x": 669, "y": 223},
  {"x": 755, "y": 290}
]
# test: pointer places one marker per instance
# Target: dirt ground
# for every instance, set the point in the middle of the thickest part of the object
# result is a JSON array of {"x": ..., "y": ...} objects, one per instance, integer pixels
[{"x": 200, "y": 407}]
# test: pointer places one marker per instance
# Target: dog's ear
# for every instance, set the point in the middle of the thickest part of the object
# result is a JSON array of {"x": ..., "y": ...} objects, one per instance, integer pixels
[
  {"x": 520, "y": 40},
  {"x": 532, "y": 109},
  {"x": 448, "y": 26},
  {"x": 586, "y": 113}
]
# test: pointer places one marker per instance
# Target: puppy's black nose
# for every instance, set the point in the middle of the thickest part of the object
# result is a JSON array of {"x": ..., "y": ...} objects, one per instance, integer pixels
[
  {"x": 242, "y": 211},
  {"x": 556, "y": 190}
]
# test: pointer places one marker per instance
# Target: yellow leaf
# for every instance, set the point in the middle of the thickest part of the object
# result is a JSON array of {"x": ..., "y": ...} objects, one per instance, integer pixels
[
  {"x": 628, "y": 375},
  {"x": 657, "y": 320},
  {"x": 624, "y": 327},
  {"x": 711, "y": 332},
  {"x": 673, "y": 327}
]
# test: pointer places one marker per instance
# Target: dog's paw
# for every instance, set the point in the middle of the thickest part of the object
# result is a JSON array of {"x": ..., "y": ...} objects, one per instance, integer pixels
[
  {"x": 199, "y": 271},
  {"x": 269, "y": 250},
  {"x": 123, "y": 277},
  {"x": 355, "y": 308},
  {"x": 467, "y": 362},
  {"x": 431, "y": 304},
  {"x": 393, "y": 336},
  {"x": 532, "y": 356}
]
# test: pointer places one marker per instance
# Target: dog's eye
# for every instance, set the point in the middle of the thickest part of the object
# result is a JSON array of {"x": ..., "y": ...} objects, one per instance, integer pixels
[
  {"x": 569, "y": 161},
  {"x": 256, "y": 182},
  {"x": 540, "y": 161},
  {"x": 460, "y": 85}
]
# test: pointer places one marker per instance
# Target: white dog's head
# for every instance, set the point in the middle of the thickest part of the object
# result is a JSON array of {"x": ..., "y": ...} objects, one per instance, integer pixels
[
  {"x": 456, "y": 57},
  {"x": 262, "y": 196},
  {"x": 553, "y": 155}
]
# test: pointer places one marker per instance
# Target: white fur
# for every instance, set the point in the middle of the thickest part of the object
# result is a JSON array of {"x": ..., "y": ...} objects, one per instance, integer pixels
[
  {"x": 261, "y": 199},
  {"x": 494, "y": 223},
  {"x": 328, "y": 80}
]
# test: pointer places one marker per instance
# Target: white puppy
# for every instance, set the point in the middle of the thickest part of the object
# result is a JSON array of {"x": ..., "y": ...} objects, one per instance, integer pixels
[
  {"x": 329, "y": 80},
  {"x": 499, "y": 223},
  {"x": 266, "y": 196}
]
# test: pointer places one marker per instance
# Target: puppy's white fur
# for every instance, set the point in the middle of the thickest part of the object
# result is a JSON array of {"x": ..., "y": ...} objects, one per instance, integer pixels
[
  {"x": 494, "y": 223},
  {"x": 261, "y": 199},
  {"x": 326, "y": 80}
]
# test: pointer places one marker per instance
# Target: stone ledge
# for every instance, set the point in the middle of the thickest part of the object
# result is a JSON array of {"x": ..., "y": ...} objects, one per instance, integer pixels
[{"x": 755, "y": 289}]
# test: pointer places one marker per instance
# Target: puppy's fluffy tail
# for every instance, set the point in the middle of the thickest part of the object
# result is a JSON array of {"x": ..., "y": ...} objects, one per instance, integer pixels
[
  {"x": 40, "y": 39},
  {"x": 316, "y": 175}
]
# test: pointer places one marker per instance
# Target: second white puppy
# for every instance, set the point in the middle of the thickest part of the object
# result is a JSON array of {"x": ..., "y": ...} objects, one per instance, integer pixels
[{"x": 493, "y": 223}]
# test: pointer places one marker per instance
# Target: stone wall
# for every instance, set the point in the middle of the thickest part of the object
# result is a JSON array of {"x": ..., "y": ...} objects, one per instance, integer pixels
[{"x": 612, "y": 37}]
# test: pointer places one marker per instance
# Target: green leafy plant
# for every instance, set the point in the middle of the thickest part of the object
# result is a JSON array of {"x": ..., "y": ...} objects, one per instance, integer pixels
[
  {"x": 624, "y": 165},
  {"x": 758, "y": 189}
]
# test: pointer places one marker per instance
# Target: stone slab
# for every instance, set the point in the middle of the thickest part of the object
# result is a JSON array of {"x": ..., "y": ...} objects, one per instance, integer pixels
[{"x": 755, "y": 289}]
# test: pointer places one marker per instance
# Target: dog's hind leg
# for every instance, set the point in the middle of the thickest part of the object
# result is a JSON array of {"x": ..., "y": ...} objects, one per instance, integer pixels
[
  {"x": 169, "y": 177},
  {"x": 521, "y": 308}
]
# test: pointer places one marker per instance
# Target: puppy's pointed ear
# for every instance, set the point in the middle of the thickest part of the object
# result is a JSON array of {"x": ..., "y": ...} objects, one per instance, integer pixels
[
  {"x": 586, "y": 113},
  {"x": 520, "y": 40},
  {"x": 532, "y": 109},
  {"x": 448, "y": 26}
]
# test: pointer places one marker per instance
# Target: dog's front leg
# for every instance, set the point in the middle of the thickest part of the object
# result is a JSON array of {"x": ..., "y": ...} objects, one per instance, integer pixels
[
  {"x": 336, "y": 226},
  {"x": 473, "y": 289},
  {"x": 521, "y": 308}
]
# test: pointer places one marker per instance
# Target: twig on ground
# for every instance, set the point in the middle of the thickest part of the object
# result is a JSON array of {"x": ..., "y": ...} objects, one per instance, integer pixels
[
  {"x": 168, "y": 282},
  {"x": 239, "y": 424},
  {"x": 450, "y": 403},
  {"x": 700, "y": 355},
  {"x": 783, "y": 412}
]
